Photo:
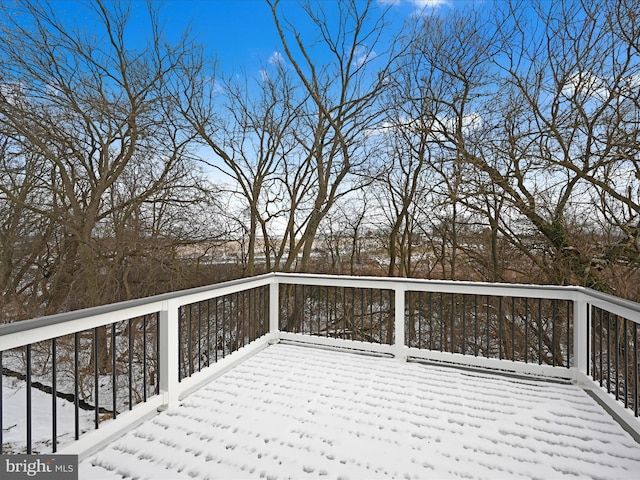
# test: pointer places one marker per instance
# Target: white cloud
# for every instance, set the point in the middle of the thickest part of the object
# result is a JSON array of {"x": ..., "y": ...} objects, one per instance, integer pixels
[
  {"x": 470, "y": 122},
  {"x": 425, "y": 7},
  {"x": 383, "y": 129},
  {"x": 12, "y": 92},
  {"x": 363, "y": 55},
  {"x": 586, "y": 84},
  {"x": 422, "y": 4},
  {"x": 436, "y": 129},
  {"x": 276, "y": 58}
]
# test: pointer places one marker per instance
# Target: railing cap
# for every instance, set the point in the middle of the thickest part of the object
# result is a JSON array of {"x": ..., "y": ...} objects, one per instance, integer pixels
[{"x": 24, "y": 325}]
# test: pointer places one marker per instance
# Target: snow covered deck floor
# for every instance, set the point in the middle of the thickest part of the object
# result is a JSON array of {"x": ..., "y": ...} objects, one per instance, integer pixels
[{"x": 301, "y": 412}]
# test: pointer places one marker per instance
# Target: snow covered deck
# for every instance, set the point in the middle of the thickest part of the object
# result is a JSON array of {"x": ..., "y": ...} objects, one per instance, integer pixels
[{"x": 304, "y": 412}]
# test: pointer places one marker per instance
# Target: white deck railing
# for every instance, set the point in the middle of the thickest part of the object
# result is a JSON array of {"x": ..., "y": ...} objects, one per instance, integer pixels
[{"x": 119, "y": 364}]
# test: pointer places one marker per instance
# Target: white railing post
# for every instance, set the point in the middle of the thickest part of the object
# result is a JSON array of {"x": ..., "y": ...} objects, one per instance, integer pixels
[
  {"x": 274, "y": 307},
  {"x": 580, "y": 335},
  {"x": 168, "y": 360},
  {"x": 399, "y": 348}
]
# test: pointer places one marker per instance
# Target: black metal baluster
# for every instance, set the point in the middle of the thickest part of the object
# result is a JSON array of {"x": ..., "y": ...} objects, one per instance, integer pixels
[
  {"x": 513, "y": 329},
  {"x": 157, "y": 379},
  {"x": 216, "y": 330},
  {"x": 96, "y": 377},
  {"x": 1, "y": 407},
  {"x": 301, "y": 310},
  {"x": 180, "y": 346},
  {"x": 616, "y": 344},
  {"x": 323, "y": 309},
  {"x": 114, "y": 383},
  {"x": 453, "y": 329},
  {"x": 344, "y": 313},
  {"x": 54, "y": 396},
  {"x": 234, "y": 322},
  {"x": 240, "y": 297},
  {"x": 199, "y": 336},
  {"x": 476, "y": 331},
  {"x": 441, "y": 322},
  {"x": 554, "y": 307},
  {"x": 600, "y": 352},
  {"x": 526, "y": 330},
  {"x": 208, "y": 332},
  {"x": 626, "y": 365},
  {"x": 500, "y": 328},
  {"x": 130, "y": 361},
  {"x": 328, "y": 310},
  {"x": 76, "y": 405},
  {"x": 569, "y": 343},
  {"x": 635, "y": 368},
  {"x": 608, "y": 352},
  {"x": 370, "y": 315},
  {"x": 464, "y": 324},
  {"x": 592, "y": 339},
  {"x": 589, "y": 335},
  {"x": 239, "y": 319},
  {"x": 349, "y": 311},
  {"x": 420, "y": 318},
  {"x": 539, "y": 331},
  {"x": 248, "y": 313},
  {"x": 266, "y": 302},
  {"x": 381, "y": 317},
  {"x": 407, "y": 318},
  {"x": 190, "y": 339},
  {"x": 295, "y": 308},
  {"x": 224, "y": 326},
  {"x": 257, "y": 308},
  {"x": 353, "y": 312},
  {"x": 431, "y": 321},
  {"x": 488, "y": 326},
  {"x": 28, "y": 392},
  {"x": 252, "y": 315},
  {"x": 361, "y": 290},
  {"x": 144, "y": 357}
]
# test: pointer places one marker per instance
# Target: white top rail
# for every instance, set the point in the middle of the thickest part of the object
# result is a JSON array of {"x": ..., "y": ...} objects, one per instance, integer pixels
[
  {"x": 20, "y": 333},
  {"x": 444, "y": 286},
  {"x": 618, "y": 306},
  {"x": 16, "y": 334}
]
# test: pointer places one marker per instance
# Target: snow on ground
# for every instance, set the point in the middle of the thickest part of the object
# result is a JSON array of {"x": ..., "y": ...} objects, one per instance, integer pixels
[
  {"x": 299, "y": 412},
  {"x": 14, "y": 408}
]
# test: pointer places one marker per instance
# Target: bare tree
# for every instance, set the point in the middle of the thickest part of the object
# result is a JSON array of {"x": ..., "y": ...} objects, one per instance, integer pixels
[
  {"x": 537, "y": 109},
  {"x": 342, "y": 234},
  {"x": 250, "y": 127},
  {"x": 343, "y": 107},
  {"x": 95, "y": 150},
  {"x": 567, "y": 115},
  {"x": 293, "y": 141}
]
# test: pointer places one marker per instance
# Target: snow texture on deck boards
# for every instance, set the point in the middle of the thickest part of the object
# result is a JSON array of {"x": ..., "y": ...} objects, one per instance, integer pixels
[{"x": 300, "y": 412}]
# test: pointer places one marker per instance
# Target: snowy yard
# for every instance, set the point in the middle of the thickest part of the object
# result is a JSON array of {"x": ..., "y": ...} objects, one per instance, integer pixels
[
  {"x": 14, "y": 418},
  {"x": 300, "y": 412}
]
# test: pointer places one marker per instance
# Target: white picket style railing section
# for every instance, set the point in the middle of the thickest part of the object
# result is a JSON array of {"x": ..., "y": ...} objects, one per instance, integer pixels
[{"x": 590, "y": 317}]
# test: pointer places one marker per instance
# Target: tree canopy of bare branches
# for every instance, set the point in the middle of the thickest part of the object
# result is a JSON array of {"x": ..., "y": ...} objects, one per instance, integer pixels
[
  {"x": 498, "y": 143},
  {"x": 94, "y": 159}
]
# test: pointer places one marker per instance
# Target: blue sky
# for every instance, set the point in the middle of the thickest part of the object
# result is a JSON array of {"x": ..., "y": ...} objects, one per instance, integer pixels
[{"x": 241, "y": 32}]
